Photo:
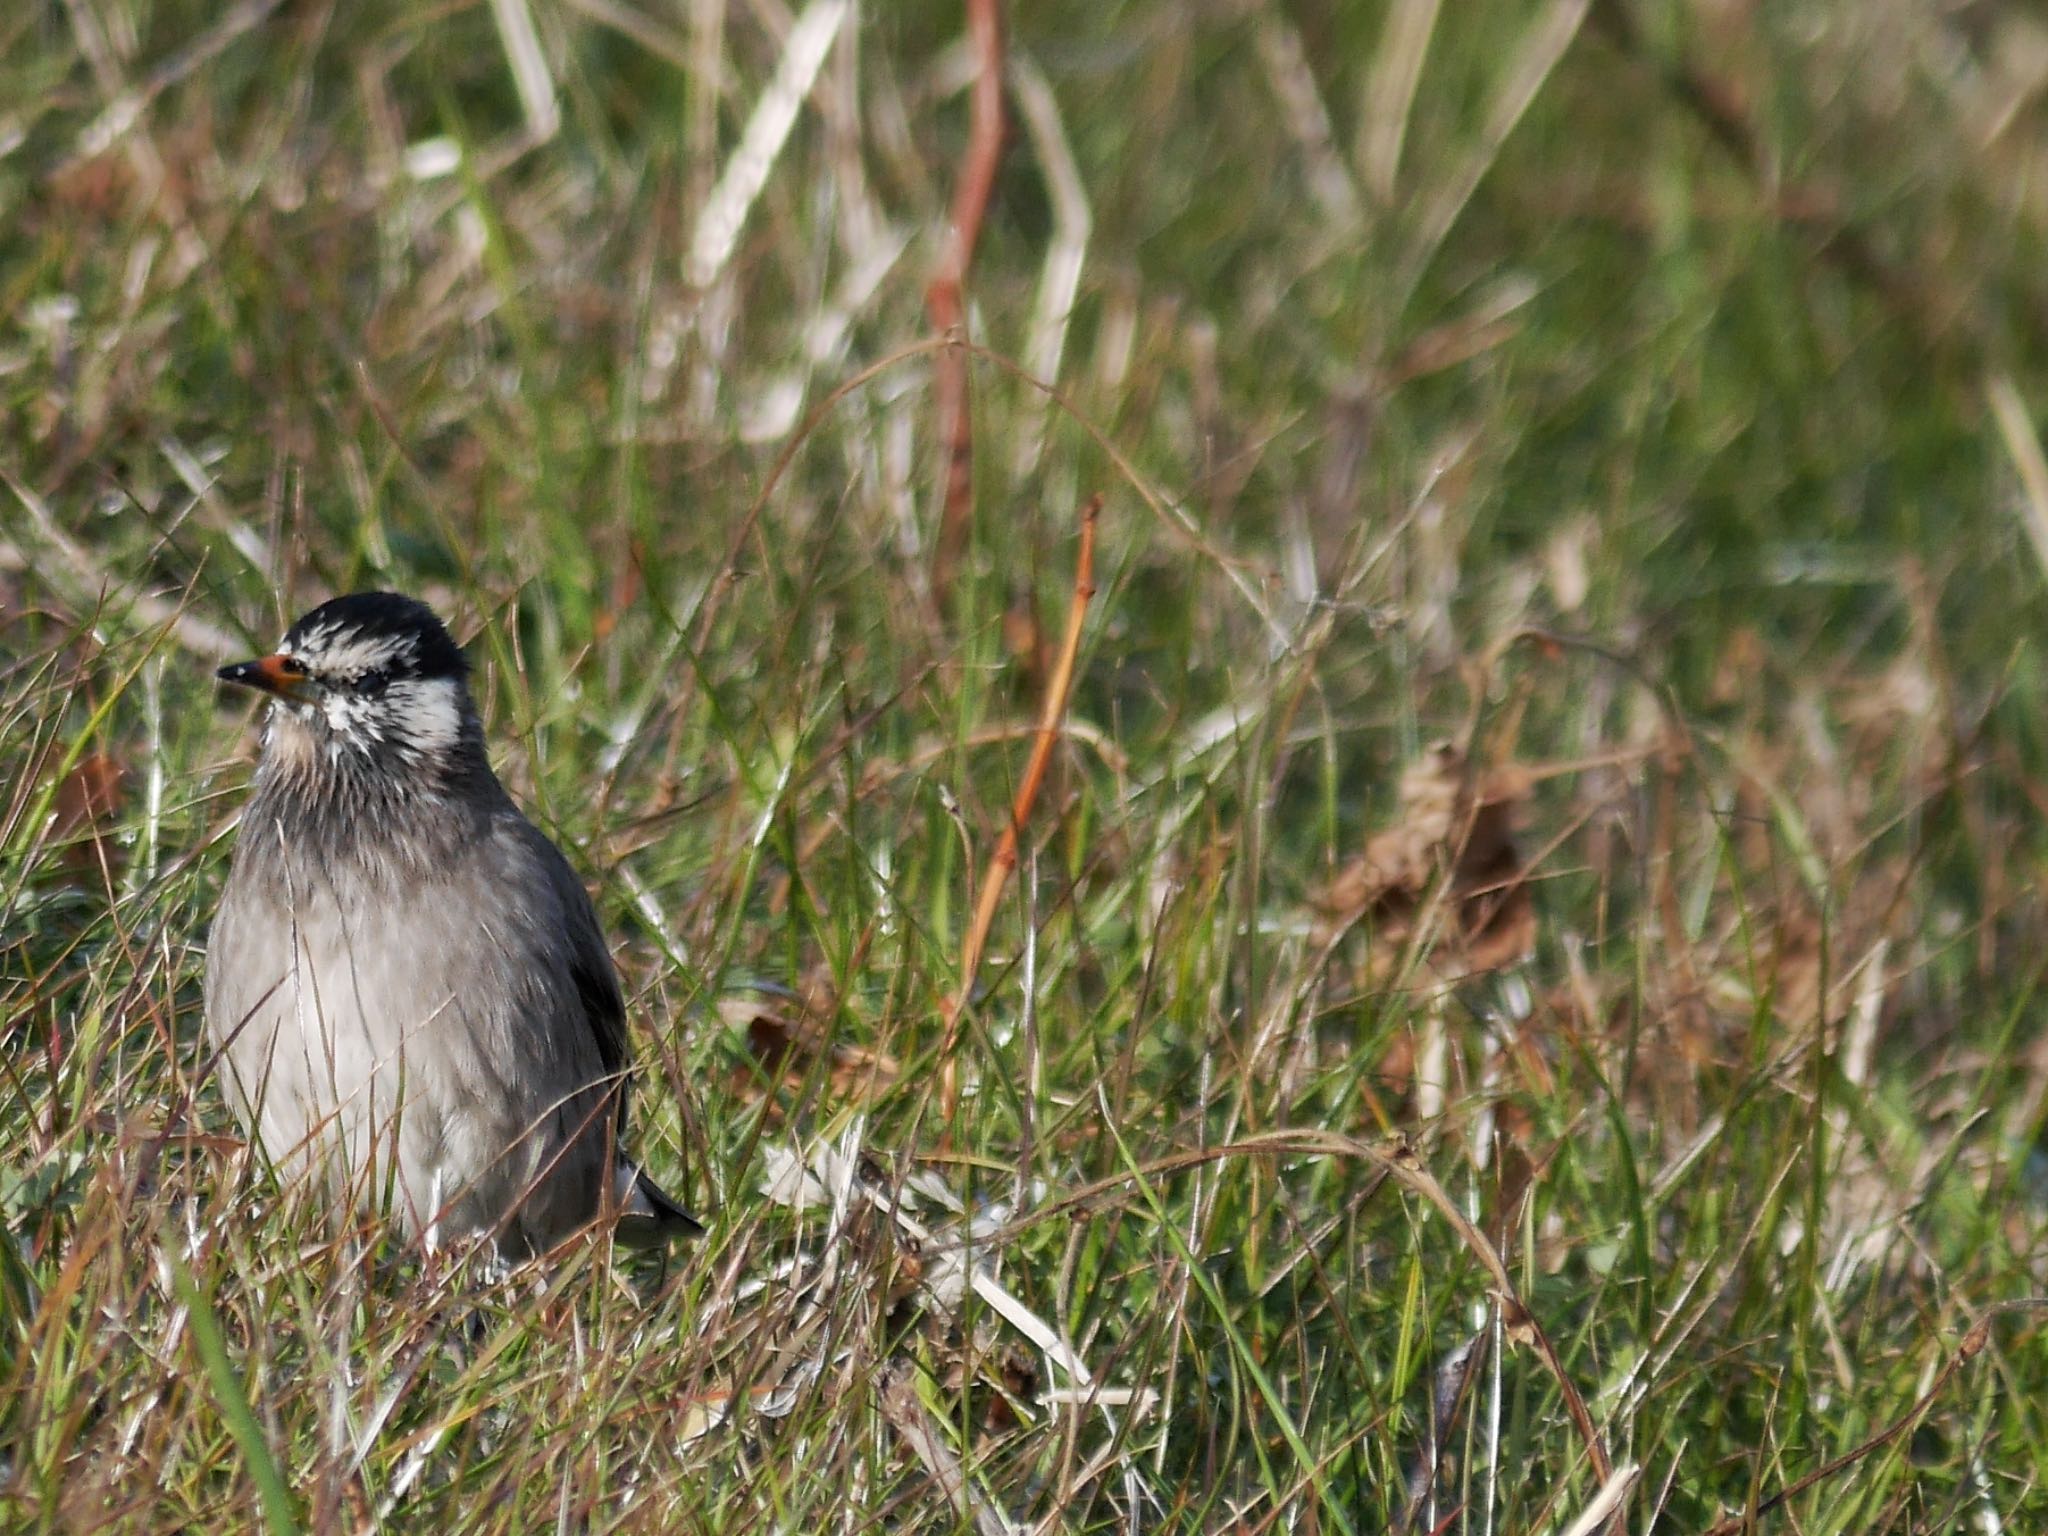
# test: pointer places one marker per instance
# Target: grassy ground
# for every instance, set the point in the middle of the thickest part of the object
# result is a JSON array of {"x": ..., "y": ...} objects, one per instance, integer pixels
[{"x": 1637, "y": 398}]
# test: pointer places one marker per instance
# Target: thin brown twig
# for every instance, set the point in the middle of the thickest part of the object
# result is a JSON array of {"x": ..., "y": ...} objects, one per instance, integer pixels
[
  {"x": 1059, "y": 685},
  {"x": 945, "y": 295}
]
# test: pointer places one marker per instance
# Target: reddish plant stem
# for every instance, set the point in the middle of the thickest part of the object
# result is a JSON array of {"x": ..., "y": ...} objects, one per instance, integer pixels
[
  {"x": 1059, "y": 687},
  {"x": 945, "y": 296}
]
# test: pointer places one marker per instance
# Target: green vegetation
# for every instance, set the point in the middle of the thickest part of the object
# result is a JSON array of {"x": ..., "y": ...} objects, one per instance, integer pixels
[{"x": 1638, "y": 396}]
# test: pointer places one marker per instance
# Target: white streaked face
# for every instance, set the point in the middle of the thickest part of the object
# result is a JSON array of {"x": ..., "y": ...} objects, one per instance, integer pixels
[
  {"x": 420, "y": 716},
  {"x": 370, "y": 688},
  {"x": 361, "y": 693},
  {"x": 427, "y": 713}
]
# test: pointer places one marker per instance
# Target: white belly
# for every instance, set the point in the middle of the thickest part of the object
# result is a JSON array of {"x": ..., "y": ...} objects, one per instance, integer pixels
[{"x": 454, "y": 1104}]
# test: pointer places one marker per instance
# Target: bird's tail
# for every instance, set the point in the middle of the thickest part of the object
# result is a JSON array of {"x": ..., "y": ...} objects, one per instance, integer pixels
[{"x": 648, "y": 1217}]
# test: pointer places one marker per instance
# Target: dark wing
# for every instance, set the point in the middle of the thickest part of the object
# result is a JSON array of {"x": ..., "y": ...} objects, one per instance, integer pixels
[
  {"x": 650, "y": 1216},
  {"x": 590, "y": 966},
  {"x": 598, "y": 987}
]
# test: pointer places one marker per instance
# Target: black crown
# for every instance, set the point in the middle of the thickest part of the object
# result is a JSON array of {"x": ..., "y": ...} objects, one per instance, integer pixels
[{"x": 387, "y": 616}]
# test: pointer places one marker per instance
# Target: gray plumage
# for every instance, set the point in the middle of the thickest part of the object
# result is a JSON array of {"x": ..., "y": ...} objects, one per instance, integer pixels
[{"x": 405, "y": 978}]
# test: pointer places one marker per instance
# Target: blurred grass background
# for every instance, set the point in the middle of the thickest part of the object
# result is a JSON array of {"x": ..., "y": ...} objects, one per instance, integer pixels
[{"x": 1639, "y": 396}]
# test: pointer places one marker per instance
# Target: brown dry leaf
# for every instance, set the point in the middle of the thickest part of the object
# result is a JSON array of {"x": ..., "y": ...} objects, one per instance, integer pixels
[
  {"x": 1397, "y": 1067},
  {"x": 87, "y": 803},
  {"x": 1026, "y": 644},
  {"x": 787, "y": 1045},
  {"x": 99, "y": 187},
  {"x": 1793, "y": 973},
  {"x": 1516, "y": 1321},
  {"x": 1743, "y": 660},
  {"x": 1005, "y": 1364},
  {"x": 1799, "y": 954},
  {"x": 1445, "y": 814}
]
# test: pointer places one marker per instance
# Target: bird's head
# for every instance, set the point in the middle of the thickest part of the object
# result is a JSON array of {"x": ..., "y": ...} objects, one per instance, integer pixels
[{"x": 371, "y": 679}]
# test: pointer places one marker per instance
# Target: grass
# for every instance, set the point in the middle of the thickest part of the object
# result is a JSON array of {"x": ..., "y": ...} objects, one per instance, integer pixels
[{"x": 1635, "y": 396}]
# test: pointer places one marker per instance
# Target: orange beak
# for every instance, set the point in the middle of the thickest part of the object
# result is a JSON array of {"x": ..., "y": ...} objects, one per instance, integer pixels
[{"x": 278, "y": 674}]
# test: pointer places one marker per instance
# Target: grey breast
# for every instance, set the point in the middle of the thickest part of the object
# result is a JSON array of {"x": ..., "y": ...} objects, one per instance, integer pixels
[{"x": 445, "y": 1056}]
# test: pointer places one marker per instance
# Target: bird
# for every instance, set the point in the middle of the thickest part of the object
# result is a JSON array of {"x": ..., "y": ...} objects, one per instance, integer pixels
[{"x": 407, "y": 987}]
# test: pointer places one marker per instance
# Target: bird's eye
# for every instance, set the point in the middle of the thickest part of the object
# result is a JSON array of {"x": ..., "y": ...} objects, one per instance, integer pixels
[
  {"x": 372, "y": 682},
  {"x": 291, "y": 666}
]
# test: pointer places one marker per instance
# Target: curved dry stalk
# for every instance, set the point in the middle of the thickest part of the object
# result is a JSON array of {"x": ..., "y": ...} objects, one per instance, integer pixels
[
  {"x": 721, "y": 584},
  {"x": 1972, "y": 1345},
  {"x": 1400, "y": 1162}
]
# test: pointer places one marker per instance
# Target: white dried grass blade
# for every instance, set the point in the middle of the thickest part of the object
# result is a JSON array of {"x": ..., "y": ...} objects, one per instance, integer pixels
[
  {"x": 781, "y": 1400},
  {"x": 1542, "y": 46},
  {"x": 530, "y": 73},
  {"x": 859, "y": 221},
  {"x": 1432, "y": 1064},
  {"x": 411, "y": 1465},
  {"x": 1116, "y": 339},
  {"x": 126, "y": 109},
  {"x": 1059, "y": 280},
  {"x": 432, "y": 159},
  {"x": 825, "y": 336},
  {"x": 1137, "y": 1496},
  {"x": 768, "y": 414},
  {"x": 773, "y": 411},
  {"x": 119, "y": 122},
  {"x": 914, "y": 1424},
  {"x": 708, "y": 69},
  {"x": 1390, "y": 93},
  {"x": 2024, "y": 445},
  {"x": 200, "y": 481},
  {"x": 839, "y": 1167},
  {"x": 1031, "y": 1325},
  {"x": 786, "y": 1181},
  {"x": 926, "y": 1184},
  {"x": 767, "y": 131},
  {"x": 1605, "y": 1502},
  {"x": 1095, "y": 1395},
  {"x": 1308, "y": 121},
  {"x": 1859, "y": 1040},
  {"x": 701, "y": 1417},
  {"x": 912, "y": 1228},
  {"x": 1988, "y": 1519},
  {"x": 159, "y": 773},
  {"x": 650, "y": 35},
  {"x": 645, "y": 901},
  {"x": 991, "y": 1290}
]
